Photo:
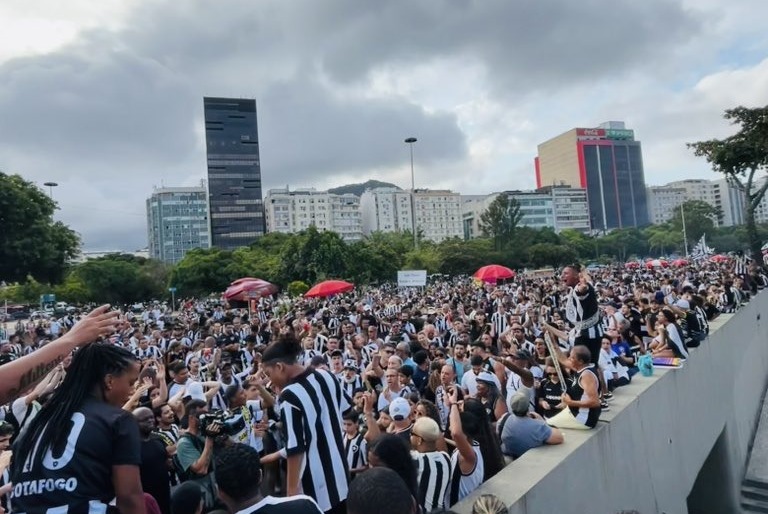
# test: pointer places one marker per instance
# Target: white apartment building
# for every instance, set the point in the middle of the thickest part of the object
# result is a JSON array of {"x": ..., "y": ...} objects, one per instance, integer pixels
[
  {"x": 290, "y": 212},
  {"x": 558, "y": 207},
  {"x": 438, "y": 212},
  {"x": 664, "y": 200},
  {"x": 386, "y": 209}
]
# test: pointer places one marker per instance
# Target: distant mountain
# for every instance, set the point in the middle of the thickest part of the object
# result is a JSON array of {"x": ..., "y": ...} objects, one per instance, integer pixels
[{"x": 358, "y": 189}]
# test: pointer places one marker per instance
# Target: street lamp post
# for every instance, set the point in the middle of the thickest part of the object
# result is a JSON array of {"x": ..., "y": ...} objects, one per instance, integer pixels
[
  {"x": 410, "y": 141},
  {"x": 50, "y": 186}
]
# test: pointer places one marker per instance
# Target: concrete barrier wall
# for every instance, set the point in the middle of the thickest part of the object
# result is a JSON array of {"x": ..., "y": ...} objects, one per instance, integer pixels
[{"x": 647, "y": 451}]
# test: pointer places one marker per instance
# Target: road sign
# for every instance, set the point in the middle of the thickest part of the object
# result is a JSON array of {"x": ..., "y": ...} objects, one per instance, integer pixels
[{"x": 171, "y": 289}]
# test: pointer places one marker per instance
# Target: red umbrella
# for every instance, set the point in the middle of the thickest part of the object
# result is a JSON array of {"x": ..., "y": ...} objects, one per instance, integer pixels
[
  {"x": 242, "y": 289},
  {"x": 719, "y": 258},
  {"x": 632, "y": 265},
  {"x": 493, "y": 272},
  {"x": 656, "y": 263},
  {"x": 329, "y": 288},
  {"x": 680, "y": 262}
]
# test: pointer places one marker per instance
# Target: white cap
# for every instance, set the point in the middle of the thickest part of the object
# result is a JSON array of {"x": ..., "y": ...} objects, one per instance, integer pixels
[
  {"x": 195, "y": 391},
  {"x": 399, "y": 409}
]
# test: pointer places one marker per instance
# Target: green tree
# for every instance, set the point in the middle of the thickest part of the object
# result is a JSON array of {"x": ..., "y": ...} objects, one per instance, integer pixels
[
  {"x": 662, "y": 239},
  {"x": 460, "y": 257},
  {"x": 700, "y": 219},
  {"x": 623, "y": 242},
  {"x": 742, "y": 158},
  {"x": 547, "y": 254},
  {"x": 500, "y": 220},
  {"x": 313, "y": 256},
  {"x": 203, "y": 271},
  {"x": 297, "y": 288},
  {"x": 583, "y": 244},
  {"x": 31, "y": 243}
]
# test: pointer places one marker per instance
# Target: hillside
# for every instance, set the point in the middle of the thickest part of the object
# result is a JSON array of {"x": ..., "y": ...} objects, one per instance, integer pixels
[{"x": 358, "y": 189}]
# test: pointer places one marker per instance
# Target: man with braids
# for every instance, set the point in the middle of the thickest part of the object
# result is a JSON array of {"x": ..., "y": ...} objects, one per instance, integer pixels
[
  {"x": 238, "y": 479},
  {"x": 83, "y": 450},
  {"x": 312, "y": 402}
]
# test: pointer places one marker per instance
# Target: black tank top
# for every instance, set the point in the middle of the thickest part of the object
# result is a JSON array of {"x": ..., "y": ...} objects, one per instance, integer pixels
[{"x": 588, "y": 416}]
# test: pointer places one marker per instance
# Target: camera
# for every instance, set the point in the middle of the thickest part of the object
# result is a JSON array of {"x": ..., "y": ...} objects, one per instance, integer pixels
[{"x": 226, "y": 423}]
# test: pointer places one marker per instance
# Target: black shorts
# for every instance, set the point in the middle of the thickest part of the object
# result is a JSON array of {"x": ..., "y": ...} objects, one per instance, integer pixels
[{"x": 593, "y": 344}]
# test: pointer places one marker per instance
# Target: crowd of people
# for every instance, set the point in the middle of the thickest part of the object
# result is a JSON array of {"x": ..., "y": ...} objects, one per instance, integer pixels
[{"x": 383, "y": 400}]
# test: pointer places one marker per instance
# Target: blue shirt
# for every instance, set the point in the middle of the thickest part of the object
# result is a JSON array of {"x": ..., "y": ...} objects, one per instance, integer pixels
[{"x": 520, "y": 434}]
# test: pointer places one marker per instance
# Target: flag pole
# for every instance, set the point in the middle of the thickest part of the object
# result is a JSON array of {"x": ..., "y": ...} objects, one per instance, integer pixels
[{"x": 685, "y": 237}]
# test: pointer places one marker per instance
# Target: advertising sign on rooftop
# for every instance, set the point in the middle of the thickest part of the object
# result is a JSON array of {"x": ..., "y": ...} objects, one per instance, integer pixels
[{"x": 620, "y": 134}]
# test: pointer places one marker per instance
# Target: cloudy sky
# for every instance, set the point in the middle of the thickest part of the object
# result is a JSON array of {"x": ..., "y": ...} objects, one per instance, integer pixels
[{"x": 105, "y": 98}]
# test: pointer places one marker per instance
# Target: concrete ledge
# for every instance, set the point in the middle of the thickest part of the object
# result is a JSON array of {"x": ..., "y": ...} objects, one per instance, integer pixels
[{"x": 648, "y": 450}]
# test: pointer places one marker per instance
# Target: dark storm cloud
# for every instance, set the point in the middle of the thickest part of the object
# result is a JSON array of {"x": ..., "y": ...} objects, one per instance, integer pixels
[{"x": 122, "y": 110}]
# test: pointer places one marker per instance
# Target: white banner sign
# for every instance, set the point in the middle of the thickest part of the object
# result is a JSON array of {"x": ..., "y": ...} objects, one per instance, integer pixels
[{"x": 412, "y": 278}]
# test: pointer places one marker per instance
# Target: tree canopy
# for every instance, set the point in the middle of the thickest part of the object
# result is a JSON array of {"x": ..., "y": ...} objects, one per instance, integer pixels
[
  {"x": 500, "y": 220},
  {"x": 742, "y": 158},
  {"x": 31, "y": 242}
]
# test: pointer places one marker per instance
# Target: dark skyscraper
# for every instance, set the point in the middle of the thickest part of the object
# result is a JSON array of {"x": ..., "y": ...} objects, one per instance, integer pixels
[
  {"x": 608, "y": 163},
  {"x": 234, "y": 172}
]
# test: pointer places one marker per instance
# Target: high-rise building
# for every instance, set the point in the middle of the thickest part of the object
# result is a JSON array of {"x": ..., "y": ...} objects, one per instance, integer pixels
[
  {"x": 177, "y": 221},
  {"x": 234, "y": 172},
  {"x": 438, "y": 212},
  {"x": 293, "y": 211},
  {"x": 608, "y": 163}
]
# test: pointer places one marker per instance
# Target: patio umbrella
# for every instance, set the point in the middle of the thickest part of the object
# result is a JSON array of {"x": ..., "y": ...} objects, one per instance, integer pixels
[
  {"x": 329, "y": 288},
  {"x": 719, "y": 258},
  {"x": 242, "y": 289},
  {"x": 680, "y": 263},
  {"x": 656, "y": 263},
  {"x": 493, "y": 272},
  {"x": 632, "y": 265}
]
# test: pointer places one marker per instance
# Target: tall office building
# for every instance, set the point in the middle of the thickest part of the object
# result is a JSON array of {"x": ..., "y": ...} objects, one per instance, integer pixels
[
  {"x": 608, "y": 163},
  {"x": 293, "y": 211},
  {"x": 177, "y": 221},
  {"x": 234, "y": 172}
]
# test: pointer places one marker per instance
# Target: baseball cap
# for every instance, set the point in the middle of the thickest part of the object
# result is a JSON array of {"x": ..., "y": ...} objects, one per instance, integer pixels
[
  {"x": 486, "y": 377},
  {"x": 350, "y": 364},
  {"x": 682, "y": 304},
  {"x": 427, "y": 429},
  {"x": 399, "y": 409},
  {"x": 195, "y": 391},
  {"x": 519, "y": 403}
]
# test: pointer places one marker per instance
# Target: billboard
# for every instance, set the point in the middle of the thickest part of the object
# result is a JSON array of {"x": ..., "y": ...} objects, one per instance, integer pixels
[
  {"x": 590, "y": 133},
  {"x": 412, "y": 278},
  {"x": 620, "y": 134}
]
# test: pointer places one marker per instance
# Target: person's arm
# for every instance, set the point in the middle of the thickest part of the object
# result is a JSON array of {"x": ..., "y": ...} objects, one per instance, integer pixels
[
  {"x": 202, "y": 464},
  {"x": 127, "y": 483},
  {"x": 162, "y": 386},
  {"x": 370, "y": 421},
  {"x": 140, "y": 390},
  {"x": 467, "y": 454},
  {"x": 500, "y": 408},
  {"x": 526, "y": 377},
  {"x": 293, "y": 479},
  {"x": 589, "y": 384},
  {"x": 22, "y": 374},
  {"x": 555, "y": 436}
]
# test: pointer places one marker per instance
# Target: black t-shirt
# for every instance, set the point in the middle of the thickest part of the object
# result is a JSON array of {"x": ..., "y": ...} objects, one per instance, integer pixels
[
  {"x": 66, "y": 479},
  {"x": 154, "y": 472}
]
